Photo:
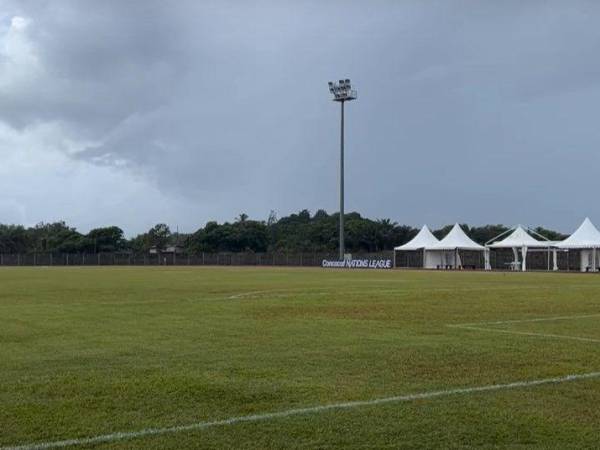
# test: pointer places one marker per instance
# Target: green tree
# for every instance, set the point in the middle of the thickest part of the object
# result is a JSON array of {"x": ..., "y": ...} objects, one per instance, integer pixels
[
  {"x": 13, "y": 239},
  {"x": 54, "y": 237},
  {"x": 158, "y": 236},
  {"x": 550, "y": 234},
  {"x": 107, "y": 239}
]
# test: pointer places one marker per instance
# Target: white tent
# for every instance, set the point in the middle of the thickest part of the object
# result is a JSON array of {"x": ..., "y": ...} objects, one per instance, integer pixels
[
  {"x": 520, "y": 239},
  {"x": 423, "y": 239},
  {"x": 586, "y": 239},
  {"x": 445, "y": 253}
]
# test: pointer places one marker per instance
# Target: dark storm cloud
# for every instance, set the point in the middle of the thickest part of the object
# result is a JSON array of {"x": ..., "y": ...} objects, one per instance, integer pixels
[{"x": 467, "y": 111}]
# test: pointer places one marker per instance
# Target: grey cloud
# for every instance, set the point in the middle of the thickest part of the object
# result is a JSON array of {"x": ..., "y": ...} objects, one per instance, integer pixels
[{"x": 470, "y": 111}]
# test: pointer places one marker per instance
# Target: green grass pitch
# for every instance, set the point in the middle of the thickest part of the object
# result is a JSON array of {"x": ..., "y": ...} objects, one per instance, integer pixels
[{"x": 86, "y": 352}]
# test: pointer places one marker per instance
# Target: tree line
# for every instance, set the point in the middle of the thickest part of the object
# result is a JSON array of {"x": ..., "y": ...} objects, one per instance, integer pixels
[{"x": 298, "y": 232}]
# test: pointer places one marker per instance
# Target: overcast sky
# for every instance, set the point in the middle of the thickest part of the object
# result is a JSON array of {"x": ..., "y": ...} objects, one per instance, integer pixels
[{"x": 138, "y": 112}]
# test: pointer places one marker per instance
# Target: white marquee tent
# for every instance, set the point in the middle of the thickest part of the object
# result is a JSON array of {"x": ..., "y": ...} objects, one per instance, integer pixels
[
  {"x": 421, "y": 241},
  {"x": 520, "y": 239},
  {"x": 424, "y": 238},
  {"x": 586, "y": 239},
  {"x": 445, "y": 253}
]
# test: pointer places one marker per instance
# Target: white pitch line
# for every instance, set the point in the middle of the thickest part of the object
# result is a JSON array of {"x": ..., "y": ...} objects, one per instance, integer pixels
[
  {"x": 382, "y": 291},
  {"x": 525, "y": 333},
  {"x": 293, "y": 412},
  {"x": 247, "y": 294},
  {"x": 537, "y": 319},
  {"x": 276, "y": 292}
]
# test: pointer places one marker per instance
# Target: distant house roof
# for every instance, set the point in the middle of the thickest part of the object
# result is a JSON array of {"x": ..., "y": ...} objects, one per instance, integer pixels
[{"x": 168, "y": 249}]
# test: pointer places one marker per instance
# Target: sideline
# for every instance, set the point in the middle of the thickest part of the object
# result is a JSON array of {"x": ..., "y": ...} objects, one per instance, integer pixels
[
  {"x": 536, "y": 319},
  {"x": 477, "y": 326},
  {"x": 119, "y": 436},
  {"x": 526, "y": 333}
]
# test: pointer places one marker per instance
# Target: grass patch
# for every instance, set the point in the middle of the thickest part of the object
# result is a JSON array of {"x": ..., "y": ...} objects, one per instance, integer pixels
[{"x": 88, "y": 351}]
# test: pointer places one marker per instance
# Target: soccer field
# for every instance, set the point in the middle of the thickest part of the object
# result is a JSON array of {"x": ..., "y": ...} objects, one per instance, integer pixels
[{"x": 170, "y": 358}]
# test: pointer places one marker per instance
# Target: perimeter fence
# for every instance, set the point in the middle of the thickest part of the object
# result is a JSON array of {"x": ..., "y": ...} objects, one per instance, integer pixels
[{"x": 180, "y": 259}]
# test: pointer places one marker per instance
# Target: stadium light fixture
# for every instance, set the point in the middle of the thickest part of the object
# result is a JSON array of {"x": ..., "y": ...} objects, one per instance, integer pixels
[{"x": 342, "y": 92}]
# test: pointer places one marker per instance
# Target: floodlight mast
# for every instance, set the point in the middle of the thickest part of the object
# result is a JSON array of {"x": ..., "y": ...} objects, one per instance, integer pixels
[{"x": 342, "y": 92}]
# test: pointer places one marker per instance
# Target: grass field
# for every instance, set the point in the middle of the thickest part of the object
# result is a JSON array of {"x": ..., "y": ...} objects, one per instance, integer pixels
[{"x": 87, "y": 352}]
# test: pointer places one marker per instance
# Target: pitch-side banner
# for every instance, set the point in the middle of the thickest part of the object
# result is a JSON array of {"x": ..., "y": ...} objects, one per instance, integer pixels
[{"x": 358, "y": 263}]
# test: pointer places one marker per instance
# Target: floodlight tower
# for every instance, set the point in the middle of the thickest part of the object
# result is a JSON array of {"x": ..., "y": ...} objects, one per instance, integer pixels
[{"x": 342, "y": 92}]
